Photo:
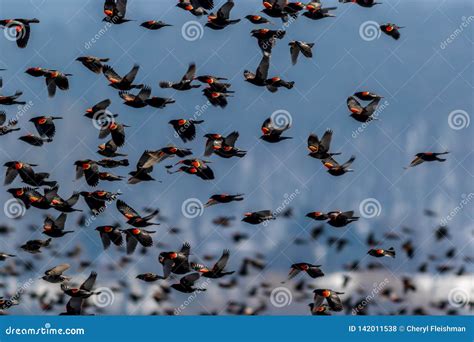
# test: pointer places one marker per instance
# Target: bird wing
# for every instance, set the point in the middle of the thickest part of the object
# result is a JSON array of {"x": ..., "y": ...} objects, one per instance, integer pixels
[
  {"x": 294, "y": 51},
  {"x": 222, "y": 262},
  {"x": 326, "y": 139},
  {"x": 58, "y": 270},
  {"x": 224, "y": 11},
  {"x": 130, "y": 77},
  {"x": 126, "y": 210},
  {"x": 190, "y": 73},
  {"x": 89, "y": 283},
  {"x": 262, "y": 70}
]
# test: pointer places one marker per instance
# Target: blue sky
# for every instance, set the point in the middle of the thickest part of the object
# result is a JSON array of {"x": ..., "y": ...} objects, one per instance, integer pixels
[{"x": 422, "y": 78}]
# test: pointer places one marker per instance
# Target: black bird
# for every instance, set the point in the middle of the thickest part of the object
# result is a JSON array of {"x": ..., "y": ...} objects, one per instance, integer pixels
[
  {"x": 185, "y": 129},
  {"x": 176, "y": 262},
  {"x": 121, "y": 83},
  {"x": 313, "y": 271},
  {"x": 34, "y": 246},
  {"x": 55, "y": 275},
  {"x": 319, "y": 149},
  {"x": 21, "y": 27},
  {"x": 133, "y": 236},
  {"x": 196, "y": 7},
  {"x": 260, "y": 76},
  {"x": 92, "y": 63},
  {"x": 335, "y": 169},
  {"x": 297, "y": 46},
  {"x": 258, "y": 217},
  {"x": 427, "y": 157},
  {"x": 315, "y": 11},
  {"x": 45, "y": 125},
  {"x": 9, "y": 126},
  {"x": 331, "y": 296},
  {"x": 110, "y": 234},
  {"x": 55, "y": 227},
  {"x": 267, "y": 39},
  {"x": 363, "y": 114},
  {"x": 363, "y": 3},
  {"x": 217, "y": 271},
  {"x": 221, "y": 19},
  {"x": 89, "y": 169},
  {"x": 133, "y": 218},
  {"x": 154, "y": 24},
  {"x": 379, "y": 253},
  {"x": 186, "y": 80},
  {"x": 223, "y": 198},
  {"x": 115, "y": 11},
  {"x": 391, "y": 30},
  {"x": 186, "y": 284},
  {"x": 272, "y": 133}
]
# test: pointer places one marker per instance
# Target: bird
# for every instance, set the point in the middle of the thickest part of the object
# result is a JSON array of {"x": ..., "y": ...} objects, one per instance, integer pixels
[
  {"x": 153, "y": 157},
  {"x": 391, "y": 30},
  {"x": 110, "y": 234},
  {"x": 149, "y": 277},
  {"x": 319, "y": 149},
  {"x": 363, "y": 114},
  {"x": 217, "y": 271},
  {"x": 22, "y": 29},
  {"x": 366, "y": 95},
  {"x": 335, "y": 169},
  {"x": 272, "y": 131},
  {"x": 258, "y": 217},
  {"x": 93, "y": 63},
  {"x": 133, "y": 236},
  {"x": 115, "y": 11},
  {"x": 196, "y": 7},
  {"x": 121, "y": 83},
  {"x": 185, "y": 129},
  {"x": 176, "y": 261},
  {"x": 221, "y": 19},
  {"x": 55, "y": 227},
  {"x": 54, "y": 79},
  {"x": 136, "y": 101},
  {"x": 89, "y": 170},
  {"x": 362, "y": 3},
  {"x": 315, "y": 11},
  {"x": 55, "y": 275},
  {"x": 34, "y": 246},
  {"x": 223, "y": 198},
  {"x": 186, "y": 81},
  {"x": 98, "y": 200},
  {"x": 9, "y": 100},
  {"x": 379, "y": 253},
  {"x": 186, "y": 284},
  {"x": 45, "y": 125},
  {"x": 427, "y": 157},
  {"x": 331, "y": 296},
  {"x": 9, "y": 127},
  {"x": 341, "y": 219},
  {"x": 267, "y": 39},
  {"x": 154, "y": 24},
  {"x": 313, "y": 271},
  {"x": 133, "y": 218},
  {"x": 259, "y": 78},
  {"x": 223, "y": 146},
  {"x": 195, "y": 167},
  {"x": 297, "y": 46},
  {"x": 257, "y": 19}
]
